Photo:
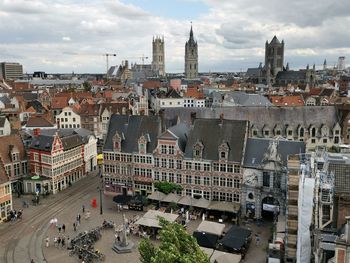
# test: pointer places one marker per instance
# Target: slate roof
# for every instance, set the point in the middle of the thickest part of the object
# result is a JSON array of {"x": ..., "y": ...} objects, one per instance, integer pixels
[
  {"x": 245, "y": 99},
  {"x": 5, "y": 100},
  {"x": 59, "y": 102},
  {"x": 132, "y": 128},
  {"x": 259, "y": 116},
  {"x": 44, "y": 142},
  {"x": 214, "y": 132},
  {"x": 291, "y": 75},
  {"x": 257, "y": 147},
  {"x": 29, "y": 96},
  {"x": 179, "y": 132},
  {"x": 253, "y": 72}
]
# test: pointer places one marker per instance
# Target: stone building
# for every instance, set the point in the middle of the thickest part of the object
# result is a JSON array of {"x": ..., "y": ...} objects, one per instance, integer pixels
[
  {"x": 316, "y": 126},
  {"x": 158, "y": 51},
  {"x": 274, "y": 56},
  {"x": 137, "y": 153},
  {"x": 58, "y": 159},
  {"x": 191, "y": 57},
  {"x": 265, "y": 175}
]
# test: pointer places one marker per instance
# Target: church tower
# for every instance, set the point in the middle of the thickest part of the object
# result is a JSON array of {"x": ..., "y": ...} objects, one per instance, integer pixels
[
  {"x": 158, "y": 64},
  {"x": 191, "y": 58},
  {"x": 274, "y": 55}
]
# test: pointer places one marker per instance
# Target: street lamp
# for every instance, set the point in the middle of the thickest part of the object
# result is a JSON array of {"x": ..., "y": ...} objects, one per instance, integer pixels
[{"x": 100, "y": 188}]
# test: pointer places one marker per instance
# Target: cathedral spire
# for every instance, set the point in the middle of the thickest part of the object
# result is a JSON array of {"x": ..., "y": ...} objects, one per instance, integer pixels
[{"x": 191, "y": 32}]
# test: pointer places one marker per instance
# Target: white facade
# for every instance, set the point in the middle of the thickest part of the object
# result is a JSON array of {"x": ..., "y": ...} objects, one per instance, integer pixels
[
  {"x": 6, "y": 129},
  {"x": 68, "y": 119},
  {"x": 105, "y": 117},
  {"x": 90, "y": 154}
]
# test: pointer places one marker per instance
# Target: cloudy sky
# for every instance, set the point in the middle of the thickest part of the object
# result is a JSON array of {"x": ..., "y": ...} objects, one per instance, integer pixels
[{"x": 72, "y": 35}]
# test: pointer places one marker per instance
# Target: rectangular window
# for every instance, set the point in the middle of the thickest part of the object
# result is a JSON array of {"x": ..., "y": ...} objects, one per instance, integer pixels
[
  {"x": 222, "y": 167},
  {"x": 197, "y": 180},
  {"x": 36, "y": 157},
  {"x": 266, "y": 179},
  {"x": 216, "y": 167},
  {"x": 171, "y": 177},
  {"x": 215, "y": 196},
  {"x": 237, "y": 169},
  {"x": 189, "y": 192},
  {"x": 188, "y": 165},
  {"x": 229, "y": 197},
  {"x": 235, "y": 197},
  {"x": 222, "y": 182},
  {"x": 156, "y": 176},
  {"x": 171, "y": 149},
  {"x": 229, "y": 182},
  {"x": 178, "y": 164},
  {"x": 206, "y": 195},
  {"x": 163, "y": 149},
  {"x": 206, "y": 167},
  {"x": 164, "y": 177},
  {"x": 290, "y": 132},
  {"x": 197, "y": 166},
  {"x": 171, "y": 163},
  {"x": 230, "y": 168},
  {"x": 236, "y": 183},
  {"x": 156, "y": 162},
  {"x": 206, "y": 181},
  {"x": 216, "y": 181},
  {"x": 188, "y": 179},
  {"x": 163, "y": 163},
  {"x": 179, "y": 178}
]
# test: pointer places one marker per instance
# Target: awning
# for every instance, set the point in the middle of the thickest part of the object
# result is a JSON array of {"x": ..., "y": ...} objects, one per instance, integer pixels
[
  {"x": 211, "y": 227},
  {"x": 201, "y": 203},
  {"x": 158, "y": 196},
  {"x": 206, "y": 240},
  {"x": 224, "y": 206},
  {"x": 151, "y": 218},
  {"x": 186, "y": 200},
  {"x": 170, "y": 198}
]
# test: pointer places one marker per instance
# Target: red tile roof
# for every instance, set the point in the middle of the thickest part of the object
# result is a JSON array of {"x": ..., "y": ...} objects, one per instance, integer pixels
[
  {"x": 283, "y": 101},
  {"x": 193, "y": 92},
  {"x": 38, "y": 121},
  {"x": 59, "y": 102}
]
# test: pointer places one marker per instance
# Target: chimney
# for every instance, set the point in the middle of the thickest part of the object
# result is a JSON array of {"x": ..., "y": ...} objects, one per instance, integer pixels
[
  {"x": 347, "y": 229},
  {"x": 37, "y": 132}
]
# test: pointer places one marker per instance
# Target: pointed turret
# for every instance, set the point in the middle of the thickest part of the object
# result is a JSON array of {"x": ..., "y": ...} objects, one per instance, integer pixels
[{"x": 287, "y": 67}]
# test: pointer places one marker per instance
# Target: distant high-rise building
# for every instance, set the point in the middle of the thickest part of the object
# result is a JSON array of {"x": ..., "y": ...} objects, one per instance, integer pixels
[
  {"x": 274, "y": 55},
  {"x": 11, "y": 70},
  {"x": 341, "y": 63},
  {"x": 325, "y": 64},
  {"x": 158, "y": 62},
  {"x": 191, "y": 57}
]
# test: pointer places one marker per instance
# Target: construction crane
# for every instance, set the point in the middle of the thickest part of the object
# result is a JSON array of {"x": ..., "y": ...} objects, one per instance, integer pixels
[{"x": 107, "y": 64}]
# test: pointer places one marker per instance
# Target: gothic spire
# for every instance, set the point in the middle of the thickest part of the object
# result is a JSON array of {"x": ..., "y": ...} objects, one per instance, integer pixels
[{"x": 191, "y": 33}]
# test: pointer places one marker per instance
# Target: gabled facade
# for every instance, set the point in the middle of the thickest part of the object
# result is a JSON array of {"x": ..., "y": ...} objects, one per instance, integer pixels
[
  {"x": 5, "y": 126},
  {"x": 68, "y": 119},
  {"x": 58, "y": 158}
]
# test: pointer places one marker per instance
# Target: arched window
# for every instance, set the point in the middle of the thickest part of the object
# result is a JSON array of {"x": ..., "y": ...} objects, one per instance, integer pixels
[
  {"x": 313, "y": 132},
  {"x": 301, "y": 132}
]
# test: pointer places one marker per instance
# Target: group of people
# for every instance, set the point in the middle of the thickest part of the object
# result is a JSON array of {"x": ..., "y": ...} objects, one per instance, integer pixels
[
  {"x": 59, "y": 241},
  {"x": 14, "y": 215}
]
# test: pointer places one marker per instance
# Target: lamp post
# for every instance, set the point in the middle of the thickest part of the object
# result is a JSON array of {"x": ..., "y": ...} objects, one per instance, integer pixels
[{"x": 100, "y": 188}]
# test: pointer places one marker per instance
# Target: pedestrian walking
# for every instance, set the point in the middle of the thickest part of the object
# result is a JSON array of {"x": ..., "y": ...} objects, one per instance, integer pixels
[
  {"x": 59, "y": 229},
  {"x": 64, "y": 228},
  {"x": 78, "y": 220},
  {"x": 58, "y": 242},
  {"x": 79, "y": 217},
  {"x": 47, "y": 240},
  {"x": 74, "y": 227},
  {"x": 257, "y": 240},
  {"x": 63, "y": 242},
  {"x": 83, "y": 209},
  {"x": 55, "y": 241}
]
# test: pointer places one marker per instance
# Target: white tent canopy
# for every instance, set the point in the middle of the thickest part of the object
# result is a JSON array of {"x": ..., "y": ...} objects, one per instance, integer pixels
[
  {"x": 211, "y": 227},
  {"x": 151, "y": 218},
  {"x": 221, "y": 257}
]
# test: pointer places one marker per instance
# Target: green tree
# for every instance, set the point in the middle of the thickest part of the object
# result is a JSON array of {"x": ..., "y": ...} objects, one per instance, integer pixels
[
  {"x": 167, "y": 187},
  {"x": 176, "y": 246},
  {"x": 87, "y": 86}
]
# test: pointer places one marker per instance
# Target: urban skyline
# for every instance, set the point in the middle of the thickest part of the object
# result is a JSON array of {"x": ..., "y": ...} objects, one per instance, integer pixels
[{"x": 68, "y": 35}]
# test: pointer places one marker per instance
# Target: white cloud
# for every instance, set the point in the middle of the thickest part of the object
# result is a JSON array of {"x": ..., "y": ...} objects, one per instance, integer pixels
[{"x": 63, "y": 35}]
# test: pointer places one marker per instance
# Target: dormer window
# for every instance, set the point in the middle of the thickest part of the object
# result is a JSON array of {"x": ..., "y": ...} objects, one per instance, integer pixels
[
  {"x": 223, "y": 151},
  {"x": 117, "y": 142},
  {"x": 198, "y": 150},
  {"x": 142, "y": 145},
  {"x": 15, "y": 156}
]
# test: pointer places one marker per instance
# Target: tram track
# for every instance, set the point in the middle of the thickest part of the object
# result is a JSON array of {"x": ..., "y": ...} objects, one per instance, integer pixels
[{"x": 10, "y": 236}]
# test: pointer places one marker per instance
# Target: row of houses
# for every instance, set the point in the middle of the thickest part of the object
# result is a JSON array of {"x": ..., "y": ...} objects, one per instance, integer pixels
[{"x": 212, "y": 158}]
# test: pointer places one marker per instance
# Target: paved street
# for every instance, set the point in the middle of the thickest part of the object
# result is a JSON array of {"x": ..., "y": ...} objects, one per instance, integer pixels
[{"x": 25, "y": 239}]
